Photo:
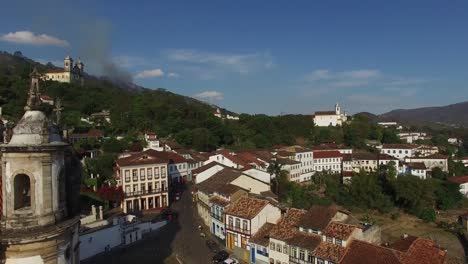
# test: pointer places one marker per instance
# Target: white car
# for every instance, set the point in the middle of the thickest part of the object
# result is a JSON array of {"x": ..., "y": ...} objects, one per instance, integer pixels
[{"x": 231, "y": 261}]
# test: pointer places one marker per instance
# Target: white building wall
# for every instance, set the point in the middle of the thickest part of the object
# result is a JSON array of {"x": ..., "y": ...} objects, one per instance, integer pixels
[
  {"x": 259, "y": 175},
  {"x": 221, "y": 159},
  {"x": 276, "y": 254},
  {"x": 269, "y": 214},
  {"x": 27, "y": 260},
  {"x": 464, "y": 189},
  {"x": 326, "y": 120},
  {"x": 203, "y": 176},
  {"x": 94, "y": 243},
  {"x": 251, "y": 184},
  {"x": 399, "y": 153}
]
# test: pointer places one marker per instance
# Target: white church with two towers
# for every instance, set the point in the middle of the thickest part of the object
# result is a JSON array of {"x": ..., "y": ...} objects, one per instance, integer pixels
[{"x": 71, "y": 73}]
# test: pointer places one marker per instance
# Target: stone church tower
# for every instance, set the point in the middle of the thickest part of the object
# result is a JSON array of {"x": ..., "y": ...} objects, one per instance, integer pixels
[{"x": 35, "y": 225}]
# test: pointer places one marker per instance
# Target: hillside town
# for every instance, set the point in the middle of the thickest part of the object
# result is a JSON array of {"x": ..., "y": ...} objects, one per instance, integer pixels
[
  {"x": 241, "y": 202},
  {"x": 233, "y": 132}
]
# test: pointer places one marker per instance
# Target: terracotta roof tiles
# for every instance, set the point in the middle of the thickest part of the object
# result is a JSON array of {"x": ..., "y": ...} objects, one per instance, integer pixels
[
  {"x": 339, "y": 230},
  {"x": 246, "y": 207}
]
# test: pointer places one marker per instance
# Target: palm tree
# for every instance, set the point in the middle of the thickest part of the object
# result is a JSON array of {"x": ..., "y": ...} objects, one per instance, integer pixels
[{"x": 275, "y": 168}]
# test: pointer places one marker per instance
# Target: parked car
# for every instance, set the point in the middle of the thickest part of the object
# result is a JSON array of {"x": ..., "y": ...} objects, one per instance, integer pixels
[
  {"x": 220, "y": 257},
  {"x": 231, "y": 261}
]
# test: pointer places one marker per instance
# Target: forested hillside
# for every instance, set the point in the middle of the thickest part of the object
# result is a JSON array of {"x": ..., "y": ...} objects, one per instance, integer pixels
[{"x": 185, "y": 119}]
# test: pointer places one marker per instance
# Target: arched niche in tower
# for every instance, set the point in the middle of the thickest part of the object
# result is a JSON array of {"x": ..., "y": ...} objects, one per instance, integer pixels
[{"x": 22, "y": 192}]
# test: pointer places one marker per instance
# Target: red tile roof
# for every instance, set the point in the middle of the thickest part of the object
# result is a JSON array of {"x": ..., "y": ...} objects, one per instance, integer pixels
[
  {"x": 325, "y": 113},
  {"x": 329, "y": 252},
  {"x": 220, "y": 201},
  {"x": 432, "y": 156},
  {"x": 327, "y": 154},
  {"x": 250, "y": 158},
  {"x": 246, "y": 207},
  {"x": 339, "y": 230},
  {"x": 417, "y": 165},
  {"x": 95, "y": 133},
  {"x": 206, "y": 167},
  {"x": 458, "y": 179},
  {"x": 287, "y": 226},
  {"x": 227, "y": 154},
  {"x": 262, "y": 237},
  {"x": 317, "y": 217},
  {"x": 142, "y": 158},
  {"x": 360, "y": 252},
  {"x": 423, "y": 251},
  {"x": 46, "y": 97}
]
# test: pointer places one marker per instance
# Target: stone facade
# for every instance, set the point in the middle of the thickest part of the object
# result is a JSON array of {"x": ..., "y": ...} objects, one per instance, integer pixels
[{"x": 35, "y": 226}]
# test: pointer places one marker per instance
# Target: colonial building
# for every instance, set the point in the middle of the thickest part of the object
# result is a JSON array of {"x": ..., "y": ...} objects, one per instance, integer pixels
[
  {"x": 304, "y": 156},
  {"x": 330, "y": 118},
  {"x": 144, "y": 180},
  {"x": 417, "y": 169},
  {"x": 292, "y": 167},
  {"x": 71, "y": 73},
  {"x": 399, "y": 151},
  {"x": 367, "y": 161},
  {"x": 243, "y": 219},
  {"x": 37, "y": 224},
  {"x": 432, "y": 161},
  {"x": 330, "y": 161}
]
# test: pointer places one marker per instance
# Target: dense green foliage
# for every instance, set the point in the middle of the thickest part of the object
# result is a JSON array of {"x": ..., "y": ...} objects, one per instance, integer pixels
[{"x": 380, "y": 191}]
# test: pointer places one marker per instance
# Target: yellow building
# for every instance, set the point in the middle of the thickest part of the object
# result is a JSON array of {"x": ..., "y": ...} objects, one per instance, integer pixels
[{"x": 69, "y": 74}]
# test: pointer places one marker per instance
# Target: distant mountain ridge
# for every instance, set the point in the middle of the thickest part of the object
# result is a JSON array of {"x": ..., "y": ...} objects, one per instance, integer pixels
[{"x": 449, "y": 114}]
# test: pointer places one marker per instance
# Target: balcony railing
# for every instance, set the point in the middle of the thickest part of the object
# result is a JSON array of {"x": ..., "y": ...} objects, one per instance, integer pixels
[
  {"x": 294, "y": 260},
  {"x": 217, "y": 217},
  {"x": 146, "y": 192},
  {"x": 238, "y": 229}
]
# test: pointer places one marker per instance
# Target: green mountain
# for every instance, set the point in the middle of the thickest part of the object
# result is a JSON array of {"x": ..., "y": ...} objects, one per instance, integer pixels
[{"x": 185, "y": 119}]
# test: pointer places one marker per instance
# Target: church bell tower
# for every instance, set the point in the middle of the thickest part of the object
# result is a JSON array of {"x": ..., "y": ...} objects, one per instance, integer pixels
[{"x": 35, "y": 226}]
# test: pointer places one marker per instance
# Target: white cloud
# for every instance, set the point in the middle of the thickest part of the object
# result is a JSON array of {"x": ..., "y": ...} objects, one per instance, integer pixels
[
  {"x": 326, "y": 78},
  {"x": 150, "y": 73},
  {"x": 28, "y": 37},
  {"x": 318, "y": 75},
  {"x": 173, "y": 75},
  {"x": 239, "y": 63},
  {"x": 210, "y": 95}
]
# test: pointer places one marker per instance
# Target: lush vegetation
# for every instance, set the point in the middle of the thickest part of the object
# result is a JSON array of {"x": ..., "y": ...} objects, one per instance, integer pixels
[
  {"x": 380, "y": 191},
  {"x": 184, "y": 119}
]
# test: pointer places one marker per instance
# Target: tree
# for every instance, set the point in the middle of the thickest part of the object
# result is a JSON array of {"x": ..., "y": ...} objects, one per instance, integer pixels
[
  {"x": 366, "y": 193},
  {"x": 437, "y": 173},
  {"x": 275, "y": 169},
  {"x": 414, "y": 194}
]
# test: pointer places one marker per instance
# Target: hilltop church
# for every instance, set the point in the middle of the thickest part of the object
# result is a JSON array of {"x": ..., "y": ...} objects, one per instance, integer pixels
[
  {"x": 69, "y": 74},
  {"x": 330, "y": 118}
]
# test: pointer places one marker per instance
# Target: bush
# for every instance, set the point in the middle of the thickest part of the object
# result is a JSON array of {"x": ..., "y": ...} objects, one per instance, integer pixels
[{"x": 428, "y": 215}]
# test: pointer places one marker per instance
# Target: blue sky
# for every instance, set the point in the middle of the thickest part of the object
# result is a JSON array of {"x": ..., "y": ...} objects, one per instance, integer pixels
[{"x": 260, "y": 56}]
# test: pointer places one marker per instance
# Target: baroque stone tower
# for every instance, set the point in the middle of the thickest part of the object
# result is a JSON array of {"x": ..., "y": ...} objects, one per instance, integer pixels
[{"x": 35, "y": 226}]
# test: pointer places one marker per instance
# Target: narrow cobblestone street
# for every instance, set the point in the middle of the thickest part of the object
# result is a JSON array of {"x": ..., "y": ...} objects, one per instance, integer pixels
[{"x": 177, "y": 242}]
